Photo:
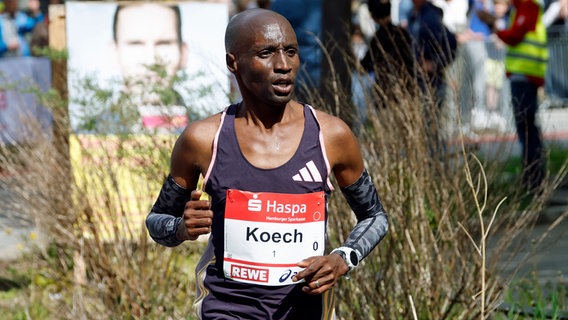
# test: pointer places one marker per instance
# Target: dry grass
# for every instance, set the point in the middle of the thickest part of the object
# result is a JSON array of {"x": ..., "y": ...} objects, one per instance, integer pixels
[
  {"x": 98, "y": 262},
  {"x": 445, "y": 206}
]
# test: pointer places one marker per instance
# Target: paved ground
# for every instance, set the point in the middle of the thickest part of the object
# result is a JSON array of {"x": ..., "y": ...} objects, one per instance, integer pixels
[{"x": 550, "y": 256}]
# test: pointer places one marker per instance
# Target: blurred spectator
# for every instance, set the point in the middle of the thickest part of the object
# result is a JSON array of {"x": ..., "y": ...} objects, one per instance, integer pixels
[
  {"x": 456, "y": 20},
  {"x": 434, "y": 48},
  {"x": 455, "y": 14},
  {"x": 491, "y": 118},
  {"x": 473, "y": 77},
  {"x": 389, "y": 56},
  {"x": 555, "y": 19},
  {"x": 361, "y": 82},
  {"x": 15, "y": 25},
  {"x": 362, "y": 20},
  {"x": 495, "y": 66},
  {"x": 525, "y": 64},
  {"x": 305, "y": 17},
  {"x": 556, "y": 13},
  {"x": 404, "y": 11},
  {"x": 39, "y": 37}
]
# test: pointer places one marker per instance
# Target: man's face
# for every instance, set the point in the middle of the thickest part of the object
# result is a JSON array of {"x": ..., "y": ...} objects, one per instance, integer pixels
[
  {"x": 147, "y": 35},
  {"x": 500, "y": 9},
  {"x": 267, "y": 62},
  {"x": 11, "y": 6}
]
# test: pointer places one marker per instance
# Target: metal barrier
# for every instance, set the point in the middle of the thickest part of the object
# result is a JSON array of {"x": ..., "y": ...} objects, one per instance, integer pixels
[{"x": 556, "y": 85}]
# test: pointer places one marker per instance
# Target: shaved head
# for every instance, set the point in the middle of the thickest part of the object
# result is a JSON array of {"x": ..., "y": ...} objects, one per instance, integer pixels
[
  {"x": 262, "y": 53},
  {"x": 244, "y": 25}
]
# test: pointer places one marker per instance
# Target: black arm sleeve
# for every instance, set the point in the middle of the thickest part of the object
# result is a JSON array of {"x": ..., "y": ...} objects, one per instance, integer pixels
[
  {"x": 167, "y": 213},
  {"x": 372, "y": 223}
]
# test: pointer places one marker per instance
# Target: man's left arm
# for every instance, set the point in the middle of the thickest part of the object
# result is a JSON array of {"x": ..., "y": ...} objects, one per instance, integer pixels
[
  {"x": 372, "y": 222},
  {"x": 361, "y": 194},
  {"x": 322, "y": 273}
]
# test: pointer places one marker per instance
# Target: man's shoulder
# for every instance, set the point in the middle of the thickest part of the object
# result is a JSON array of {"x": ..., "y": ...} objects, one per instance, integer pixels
[
  {"x": 333, "y": 128},
  {"x": 202, "y": 131},
  {"x": 208, "y": 123},
  {"x": 324, "y": 117}
]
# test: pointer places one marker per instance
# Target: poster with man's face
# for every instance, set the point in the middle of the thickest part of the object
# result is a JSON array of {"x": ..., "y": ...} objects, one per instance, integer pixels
[{"x": 145, "y": 66}]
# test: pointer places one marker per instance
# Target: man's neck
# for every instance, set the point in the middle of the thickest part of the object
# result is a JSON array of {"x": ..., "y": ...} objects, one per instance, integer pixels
[{"x": 266, "y": 117}]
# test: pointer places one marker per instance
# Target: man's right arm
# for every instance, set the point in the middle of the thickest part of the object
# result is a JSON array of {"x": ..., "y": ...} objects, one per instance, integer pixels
[
  {"x": 178, "y": 214},
  {"x": 167, "y": 213},
  {"x": 525, "y": 21}
]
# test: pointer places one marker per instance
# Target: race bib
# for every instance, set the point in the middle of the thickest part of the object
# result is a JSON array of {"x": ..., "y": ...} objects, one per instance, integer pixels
[{"x": 267, "y": 234}]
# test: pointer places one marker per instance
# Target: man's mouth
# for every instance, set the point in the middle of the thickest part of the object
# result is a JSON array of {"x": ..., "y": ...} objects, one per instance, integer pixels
[{"x": 282, "y": 86}]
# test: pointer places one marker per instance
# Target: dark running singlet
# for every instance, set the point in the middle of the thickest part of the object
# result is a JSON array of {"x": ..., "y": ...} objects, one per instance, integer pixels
[{"x": 306, "y": 172}]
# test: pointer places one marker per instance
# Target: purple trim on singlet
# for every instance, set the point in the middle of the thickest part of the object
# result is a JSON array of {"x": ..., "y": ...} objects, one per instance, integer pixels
[{"x": 221, "y": 298}]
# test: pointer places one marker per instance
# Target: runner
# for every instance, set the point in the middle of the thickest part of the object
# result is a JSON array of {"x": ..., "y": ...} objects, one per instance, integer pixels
[{"x": 266, "y": 163}]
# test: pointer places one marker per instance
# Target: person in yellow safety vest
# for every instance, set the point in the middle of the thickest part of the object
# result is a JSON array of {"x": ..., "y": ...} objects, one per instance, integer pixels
[{"x": 525, "y": 64}]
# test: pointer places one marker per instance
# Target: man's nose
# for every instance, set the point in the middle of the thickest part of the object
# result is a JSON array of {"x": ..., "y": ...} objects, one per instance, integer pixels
[
  {"x": 150, "y": 54},
  {"x": 282, "y": 61}
]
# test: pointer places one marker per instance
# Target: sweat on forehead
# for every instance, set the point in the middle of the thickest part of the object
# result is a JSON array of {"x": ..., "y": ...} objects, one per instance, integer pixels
[{"x": 256, "y": 19}]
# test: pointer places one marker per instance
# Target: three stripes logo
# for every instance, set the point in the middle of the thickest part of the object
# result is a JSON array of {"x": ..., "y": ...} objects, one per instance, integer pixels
[{"x": 309, "y": 173}]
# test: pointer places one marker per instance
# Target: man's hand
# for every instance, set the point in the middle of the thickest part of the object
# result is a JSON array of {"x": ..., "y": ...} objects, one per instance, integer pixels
[
  {"x": 197, "y": 218},
  {"x": 321, "y": 273},
  {"x": 13, "y": 45},
  {"x": 563, "y": 13},
  {"x": 487, "y": 18}
]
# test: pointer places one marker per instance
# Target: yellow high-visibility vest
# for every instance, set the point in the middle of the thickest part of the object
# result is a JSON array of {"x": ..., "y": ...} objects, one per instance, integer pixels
[{"x": 530, "y": 56}]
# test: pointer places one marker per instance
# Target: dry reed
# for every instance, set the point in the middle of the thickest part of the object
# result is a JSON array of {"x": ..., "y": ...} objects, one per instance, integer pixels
[{"x": 444, "y": 208}]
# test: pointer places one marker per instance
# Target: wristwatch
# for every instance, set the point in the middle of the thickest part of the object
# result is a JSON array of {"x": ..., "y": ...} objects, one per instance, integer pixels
[{"x": 349, "y": 255}]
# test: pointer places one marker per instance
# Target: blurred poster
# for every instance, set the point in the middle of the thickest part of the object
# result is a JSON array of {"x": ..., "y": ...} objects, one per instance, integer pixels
[{"x": 145, "y": 67}]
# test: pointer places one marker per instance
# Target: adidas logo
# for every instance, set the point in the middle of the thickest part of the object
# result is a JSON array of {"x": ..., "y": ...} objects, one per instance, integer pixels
[{"x": 309, "y": 173}]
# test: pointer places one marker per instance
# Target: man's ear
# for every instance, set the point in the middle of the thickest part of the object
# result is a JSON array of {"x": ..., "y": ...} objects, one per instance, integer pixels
[
  {"x": 231, "y": 61},
  {"x": 184, "y": 53}
]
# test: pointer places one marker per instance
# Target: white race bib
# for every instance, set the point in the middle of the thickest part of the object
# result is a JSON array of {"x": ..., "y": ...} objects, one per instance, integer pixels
[{"x": 267, "y": 234}]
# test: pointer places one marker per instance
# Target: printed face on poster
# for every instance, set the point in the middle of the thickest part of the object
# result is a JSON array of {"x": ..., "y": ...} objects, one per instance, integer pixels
[{"x": 145, "y": 66}]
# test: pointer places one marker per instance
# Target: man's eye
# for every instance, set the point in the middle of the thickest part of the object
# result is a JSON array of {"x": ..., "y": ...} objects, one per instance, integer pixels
[
  {"x": 166, "y": 43},
  {"x": 135, "y": 43},
  {"x": 291, "y": 52},
  {"x": 264, "y": 54}
]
